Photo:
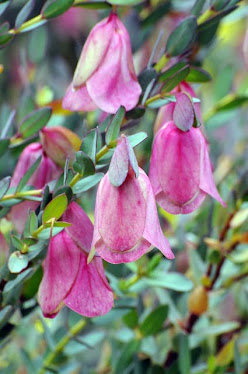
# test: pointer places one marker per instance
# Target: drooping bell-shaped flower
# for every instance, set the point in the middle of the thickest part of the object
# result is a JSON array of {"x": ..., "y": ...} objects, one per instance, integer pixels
[
  {"x": 59, "y": 143},
  {"x": 68, "y": 279},
  {"x": 180, "y": 169},
  {"x": 126, "y": 218},
  {"x": 105, "y": 75},
  {"x": 165, "y": 113},
  {"x": 46, "y": 172}
]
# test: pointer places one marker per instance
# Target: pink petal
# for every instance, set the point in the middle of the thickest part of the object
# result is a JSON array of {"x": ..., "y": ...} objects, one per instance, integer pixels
[
  {"x": 94, "y": 50},
  {"x": 28, "y": 156},
  {"x": 90, "y": 295},
  {"x": 152, "y": 232},
  {"x": 207, "y": 184},
  {"x": 178, "y": 163},
  {"x": 114, "y": 83},
  {"x": 60, "y": 270},
  {"x": 188, "y": 207},
  {"x": 81, "y": 229},
  {"x": 165, "y": 114},
  {"x": 78, "y": 99},
  {"x": 121, "y": 213},
  {"x": 19, "y": 214},
  {"x": 114, "y": 257}
]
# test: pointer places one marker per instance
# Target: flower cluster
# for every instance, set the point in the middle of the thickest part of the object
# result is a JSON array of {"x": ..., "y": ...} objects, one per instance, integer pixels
[{"x": 126, "y": 219}]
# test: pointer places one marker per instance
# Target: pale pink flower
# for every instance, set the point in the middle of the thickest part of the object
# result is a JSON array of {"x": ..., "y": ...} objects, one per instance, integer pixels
[
  {"x": 126, "y": 218},
  {"x": 180, "y": 169},
  {"x": 105, "y": 75}
]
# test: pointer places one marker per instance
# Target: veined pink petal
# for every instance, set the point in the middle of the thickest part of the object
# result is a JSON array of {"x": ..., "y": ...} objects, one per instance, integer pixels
[
  {"x": 90, "y": 295},
  {"x": 179, "y": 163},
  {"x": 152, "y": 232},
  {"x": 78, "y": 99},
  {"x": 94, "y": 50},
  {"x": 165, "y": 114},
  {"x": 81, "y": 229},
  {"x": 60, "y": 270},
  {"x": 207, "y": 184},
  {"x": 116, "y": 257},
  {"x": 114, "y": 83},
  {"x": 121, "y": 213}
]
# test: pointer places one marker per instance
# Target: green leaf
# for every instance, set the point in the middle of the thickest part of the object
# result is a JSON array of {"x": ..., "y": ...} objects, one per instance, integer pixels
[
  {"x": 220, "y": 4},
  {"x": 17, "y": 262},
  {"x": 197, "y": 8},
  {"x": 83, "y": 164},
  {"x": 173, "y": 281},
  {"x": 28, "y": 175},
  {"x": 5, "y": 37},
  {"x": 86, "y": 183},
  {"x": 158, "y": 103},
  {"x": 89, "y": 144},
  {"x": 17, "y": 242},
  {"x": 214, "y": 21},
  {"x": 198, "y": 75},
  {"x": 131, "y": 319},
  {"x": 172, "y": 71},
  {"x": 17, "y": 281},
  {"x": 215, "y": 330},
  {"x": 126, "y": 356},
  {"x": 137, "y": 138},
  {"x": 4, "y": 143},
  {"x": 46, "y": 233},
  {"x": 184, "y": 354},
  {"x": 153, "y": 323},
  {"x": 237, "y": 359},
  {"x": 146, "y": 76},
  {"x": 113, "y": 130},
  {"x": 64, "y": 190},
  {"x": 4, "y": 5},
  {"x": 54, "y": 8},
  {"x": 24, "y": 13},
  {"x": 33, "y": 222},
  {"x": 92, "y": 4},
  {"x": 55, "y": 208},
  {"x": 175, "y": 79},
  {"x": 5, "y": 314},
  {"x": 37, "y": 37},
  {"x": 34, "y": 122},
  {"x": 182, "y": 38},
  {"x": 4, "y": 186},
  {"x": 155, "y": 15}
]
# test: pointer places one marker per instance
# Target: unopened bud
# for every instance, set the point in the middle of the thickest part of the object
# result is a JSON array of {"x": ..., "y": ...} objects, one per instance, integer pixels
[{"x": 198, "y": 301}]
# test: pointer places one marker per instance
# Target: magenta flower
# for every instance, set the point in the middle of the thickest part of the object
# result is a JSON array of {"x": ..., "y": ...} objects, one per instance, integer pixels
[
  {"x": 165, "y": 113},
  {"x": 105, "y": 75},
  {"x": 68, "y": 279},
  {"x": 46, "y": 172},
  {"x": 126, "y": 218},
  {"x": 180, "y": 169}
]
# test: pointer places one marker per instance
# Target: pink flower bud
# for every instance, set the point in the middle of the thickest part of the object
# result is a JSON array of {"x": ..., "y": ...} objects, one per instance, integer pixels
[
  {"x": 46, "y": 172},
  {"x": 180, "y": 170},
  {"x": 68, "y": 279},
  {"x": 59, "y": 143},
  {"x": 126, "y": 218},
  {"x": 105, "y": 75},
  {"x": 165, "y": 113}
]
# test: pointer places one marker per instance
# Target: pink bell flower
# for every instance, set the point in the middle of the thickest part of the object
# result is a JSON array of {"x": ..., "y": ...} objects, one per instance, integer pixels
[
  {"x": 165, "y": 113},
  {"x": 104, "y": 76},
  {"x": 68, "y": 279},
  {"x": 180, "y": 169},
  {"x": 46, "y": 172},
  {"x": 126, "y": 218}
]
